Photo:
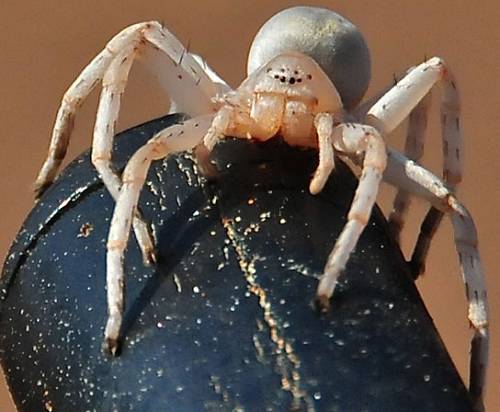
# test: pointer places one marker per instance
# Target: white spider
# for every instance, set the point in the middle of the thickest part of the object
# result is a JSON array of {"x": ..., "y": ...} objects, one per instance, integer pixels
[{"x": 299, "y": 88}]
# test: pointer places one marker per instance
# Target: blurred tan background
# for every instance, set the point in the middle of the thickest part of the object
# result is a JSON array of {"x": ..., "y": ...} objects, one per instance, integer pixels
[{"x": 44, "y": 45}]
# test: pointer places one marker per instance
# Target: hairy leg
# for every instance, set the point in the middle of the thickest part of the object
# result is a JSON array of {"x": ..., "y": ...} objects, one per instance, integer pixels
[
  {"x": 174, "y": 139},
  {"x": 414, "y": 149},
  {"x": 404, "y": 173},
  {"x": 324, "y": 127},
  {"x": 393, "y": 107},
  {"x": 183, "y": 68},
  {"x": 351, "y": 139}
]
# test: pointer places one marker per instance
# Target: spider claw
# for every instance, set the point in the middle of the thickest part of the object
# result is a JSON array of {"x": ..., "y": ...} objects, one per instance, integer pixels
[
  {"x": 112, "y": 346},
  {"x": 317, "y": 183},
  {"x": 39, "y": 188},
  {"x": 203, "y": 162},
  {"x": 322, "y": 304},
  {"x": 416, "y": 268},
  {"x": 150, "y": 257}
]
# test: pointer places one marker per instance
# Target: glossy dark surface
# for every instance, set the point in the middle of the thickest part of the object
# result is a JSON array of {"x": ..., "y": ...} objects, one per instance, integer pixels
[{"x": 225, "y": 320}]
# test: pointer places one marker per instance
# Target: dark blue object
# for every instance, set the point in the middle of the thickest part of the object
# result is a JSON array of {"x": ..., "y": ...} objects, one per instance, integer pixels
[{"x": 225, "y": 321}]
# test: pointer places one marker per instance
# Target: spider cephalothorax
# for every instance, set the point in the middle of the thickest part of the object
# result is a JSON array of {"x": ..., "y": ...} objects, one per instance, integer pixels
[
  {"x": 283, "y": 96},
  {"x": 305, "y": 82}
]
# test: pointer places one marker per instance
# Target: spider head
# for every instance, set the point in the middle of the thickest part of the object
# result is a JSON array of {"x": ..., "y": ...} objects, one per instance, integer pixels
[
  {"x": 296, "y": 76},
  {"x": 284, "y": 95}
]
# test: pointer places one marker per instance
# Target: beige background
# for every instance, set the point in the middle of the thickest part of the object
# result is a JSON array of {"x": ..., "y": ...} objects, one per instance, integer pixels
[{"x": 45, "y": 44}]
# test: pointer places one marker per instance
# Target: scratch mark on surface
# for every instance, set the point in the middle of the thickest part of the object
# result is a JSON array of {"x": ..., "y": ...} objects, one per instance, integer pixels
[
  {"x": 177, "y": 282},
  {"x": 259, "y": 349},
  {"x": 304, "y": 270},
  {"x": 219, "y": 389},
  {"x": 287, "y": 361}
]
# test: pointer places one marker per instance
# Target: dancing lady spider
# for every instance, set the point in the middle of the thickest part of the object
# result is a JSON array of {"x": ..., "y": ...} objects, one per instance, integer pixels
[{"x": 308, "y": 69}]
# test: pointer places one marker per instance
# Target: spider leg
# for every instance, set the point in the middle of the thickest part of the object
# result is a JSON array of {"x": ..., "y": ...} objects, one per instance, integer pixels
[
  {"x": 220, "y": 124},
  {"x": 324, "y": 127},
  {"x": 414, "y": 149},
  {"x": 235, "y": 121},
  {"x": 183, "y": 68},
  {"x": 188, "y": 80},
  {"x": 113, "y": 86},
  {"x": 182, "y": 100},
  {"x": 359, "y": 113},
  {"x": 428, "y": 229},
  {"x": 352, "y": 139},
  {"x": 403, "y": 172},
  {"x": 409, "y": 94},
  {"x": 414, "y": 146},
  {"x": 174, "y": 139},
  {"x": 362, "y": 109}
]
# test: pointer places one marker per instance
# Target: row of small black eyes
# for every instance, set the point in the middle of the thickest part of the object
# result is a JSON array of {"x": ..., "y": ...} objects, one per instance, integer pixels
[{"x": 292, "y": 80}]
